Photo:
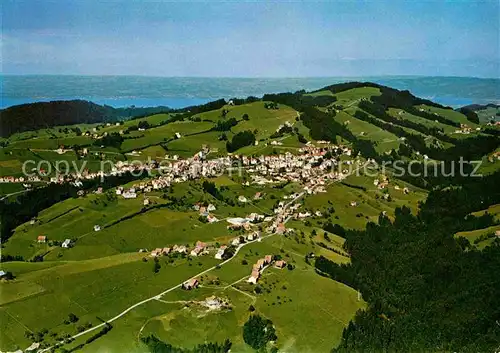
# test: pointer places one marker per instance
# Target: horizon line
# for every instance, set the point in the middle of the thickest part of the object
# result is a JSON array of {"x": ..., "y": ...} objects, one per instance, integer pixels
[{"x": 250, "y": 77}]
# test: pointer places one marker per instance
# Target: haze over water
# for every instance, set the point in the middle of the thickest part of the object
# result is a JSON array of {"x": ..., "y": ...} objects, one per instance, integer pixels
[{"x": 176, "y": 92}]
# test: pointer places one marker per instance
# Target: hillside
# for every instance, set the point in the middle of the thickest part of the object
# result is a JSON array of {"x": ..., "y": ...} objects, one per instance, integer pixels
[
  {"x": 375, "y": 260},
  {"x": 41, "y": 115}
]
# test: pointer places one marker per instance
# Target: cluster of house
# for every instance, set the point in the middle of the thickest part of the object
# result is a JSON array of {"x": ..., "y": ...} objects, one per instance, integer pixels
[
  {"x": 11, "y": 179},
  {"x": 310, "y": 167},
  {"x": 204, "y": 211},
  {"x": 68, "y": 243},
  {"x": 466, "y": 129},
  {"x": 494, "y": 156},
  {"x": 304, "y": 167},
  {"x": 261, "y": 265},
  {"x": 199, "y": 249},
  {"x": 182, "y": 249},
  {"x": 383, "y": 182}
]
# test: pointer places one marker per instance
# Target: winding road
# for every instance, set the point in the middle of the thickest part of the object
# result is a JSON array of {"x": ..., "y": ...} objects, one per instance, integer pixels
[{"x": 158, "y": 296}]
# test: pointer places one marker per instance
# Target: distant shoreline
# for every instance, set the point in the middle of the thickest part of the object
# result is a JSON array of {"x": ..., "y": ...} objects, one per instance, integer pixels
[{"x": 179, "y": 92}]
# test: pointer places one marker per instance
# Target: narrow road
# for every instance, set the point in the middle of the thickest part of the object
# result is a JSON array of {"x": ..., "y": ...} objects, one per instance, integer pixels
[
  {"x": 14, "y": 193},
  {"x": 158, "y": 296}
]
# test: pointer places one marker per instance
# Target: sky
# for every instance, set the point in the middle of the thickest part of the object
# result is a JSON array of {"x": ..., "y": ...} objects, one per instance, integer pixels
[{"x": 251, "y": 39}]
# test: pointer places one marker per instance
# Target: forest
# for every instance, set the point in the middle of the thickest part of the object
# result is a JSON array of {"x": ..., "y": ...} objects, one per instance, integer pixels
[{"x": 426, "y": 289}]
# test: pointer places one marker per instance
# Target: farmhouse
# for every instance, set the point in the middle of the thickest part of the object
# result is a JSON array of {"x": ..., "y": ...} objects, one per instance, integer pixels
[
  {"x": 42, "y": 238},
  {"x": 129, "y": 195},
  {"x": 191, "y": 284},
  {"x": 212, "y": 219},
  {"x": 67, "y": 244},
  {"x": 280, "y": 264},
  {"x": 235, "y": 241},
  {"x": 242, "y": 198},
  {"x": 280, "y": 229},
  {"x": 254, "y": 277},
  {"x": 200, "y": 246},
  {"x": 179, "y": 248},
  {"x": 97, "y": 228},
  {"x": 156, "y": 252},
  {"x": 220, "y": 252}
]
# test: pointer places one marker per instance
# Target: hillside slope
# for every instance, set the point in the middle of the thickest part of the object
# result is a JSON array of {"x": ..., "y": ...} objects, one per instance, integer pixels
[{"x": 33, "y": 116}]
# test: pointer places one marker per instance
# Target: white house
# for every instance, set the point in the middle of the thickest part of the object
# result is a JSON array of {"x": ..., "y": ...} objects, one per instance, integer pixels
[
  {"x": 67, "y": 243},
  {"x": 220, "y": 252},
  {"x": 97, "y": 228}
]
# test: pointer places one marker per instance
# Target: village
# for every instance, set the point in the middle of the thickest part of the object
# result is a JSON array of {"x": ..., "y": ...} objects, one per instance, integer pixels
[{"x": 310, "y": 169}]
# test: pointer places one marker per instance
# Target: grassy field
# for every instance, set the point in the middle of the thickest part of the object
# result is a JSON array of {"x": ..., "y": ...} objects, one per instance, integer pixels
[
  {"x": 103, "y": 274},
  {"x": 384, "y": 141},
  {"x": 155, "y": 136},
  {"x": 354, "y": 95},
  {"x": 179, "y": 319},
  {"x": 369, "y": 203}
]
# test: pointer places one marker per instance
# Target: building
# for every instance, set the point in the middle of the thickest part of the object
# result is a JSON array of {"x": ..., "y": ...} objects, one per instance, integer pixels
[
  {"x": 254, "y": 277},
  {"x": 268, "y": 259},
  {"x": 237, "y": 221},
  {"x": 179, "y": 248},
  {"x": 191, "y": 284},
  {"x": 280, "y": 264},
  {"x": 166, "y": 251},
  {"x": 129, "y": 195},
  {"x": 156, "y": 252},
  {"x": 242, "y": 198},
  {"x": 67, "y": 244},
  {"x": 212, "y": 219},
  {"x": 235, "y": 241},
  {"x": 97, "y": 228},
  {"x": 220, "y": 252},
  {"x": 280, "y": 229},
  {"x": 42, "y": 239}
]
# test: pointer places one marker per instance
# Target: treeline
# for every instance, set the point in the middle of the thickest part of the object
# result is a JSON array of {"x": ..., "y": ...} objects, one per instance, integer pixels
[
  {"x": 156, "y": 346},
  {"x": 241, "y": 139},
  {"x": 197, "y": 109},
  {"x": 299, "y": 100},
  {"x": 225, "y": 125},
  {"x": 43, "y": 115},
  {"x": 427, "y": 291}
]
